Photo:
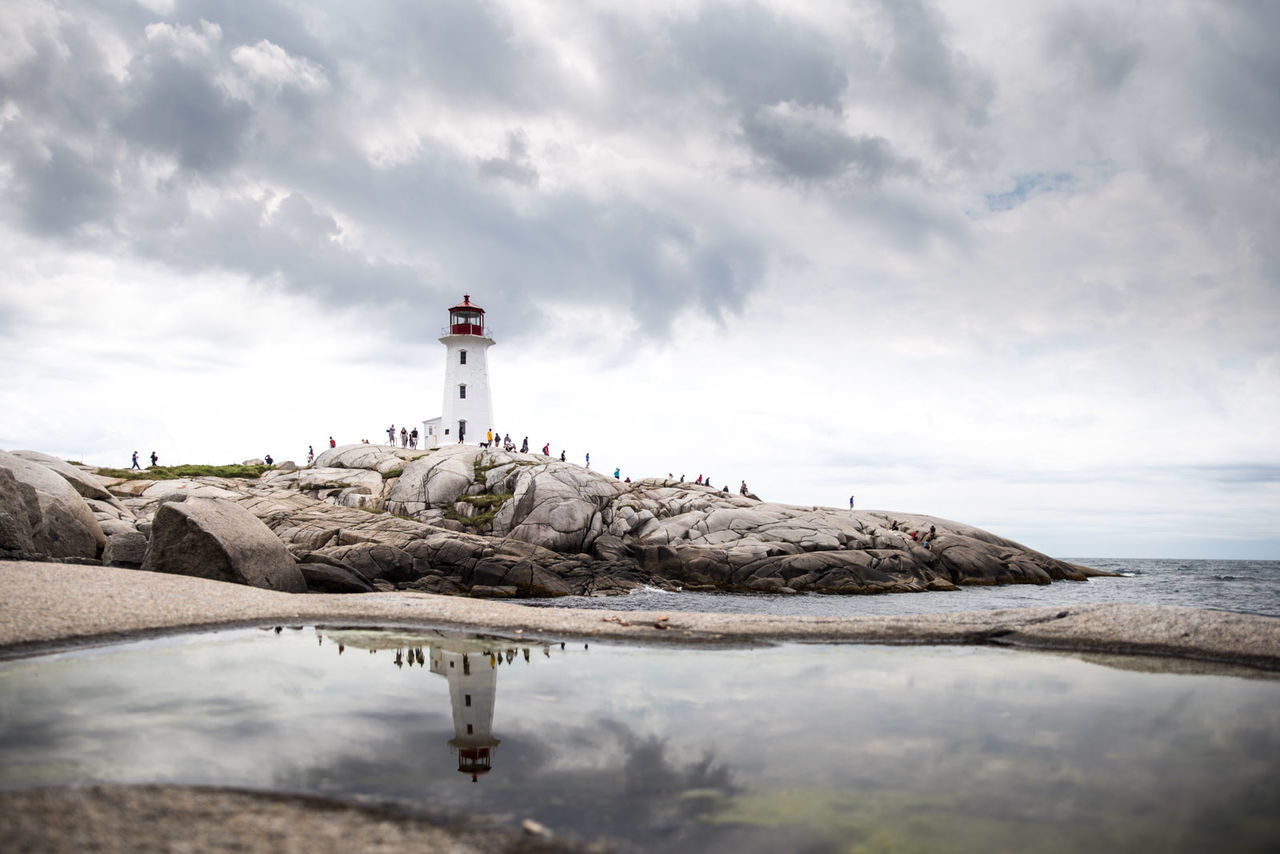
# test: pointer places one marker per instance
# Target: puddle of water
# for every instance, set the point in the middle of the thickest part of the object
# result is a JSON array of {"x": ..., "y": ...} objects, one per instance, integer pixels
[{"x": 795, "y": 747}]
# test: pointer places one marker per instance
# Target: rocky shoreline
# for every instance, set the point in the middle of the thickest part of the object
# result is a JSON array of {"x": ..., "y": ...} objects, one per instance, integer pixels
[{"x": 486, "y": 523}]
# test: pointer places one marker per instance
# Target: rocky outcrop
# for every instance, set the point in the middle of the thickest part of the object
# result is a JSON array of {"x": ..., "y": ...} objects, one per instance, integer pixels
[
  {"x": 463, "y": 519},
  {"x": 64, "y": 526},
  {"x": 218, "y": 539}
]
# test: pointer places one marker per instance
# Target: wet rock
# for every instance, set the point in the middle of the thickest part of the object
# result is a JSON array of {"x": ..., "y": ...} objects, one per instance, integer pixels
[{"x": 217, "y": 539}]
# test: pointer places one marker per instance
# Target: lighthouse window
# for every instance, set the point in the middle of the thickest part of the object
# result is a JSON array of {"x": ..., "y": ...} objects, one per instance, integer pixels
[
  {"x": 462, "y": 391},
  {"x": 469, "y": 729},
  {"x": 462, "y": 357},
  {"x": 468, "y": 699}
]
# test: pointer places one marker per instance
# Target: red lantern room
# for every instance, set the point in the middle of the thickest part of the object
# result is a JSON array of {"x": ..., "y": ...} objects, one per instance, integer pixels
[
  {"x": 474, "y": 761},
  {"x": 466, "y": 319}
]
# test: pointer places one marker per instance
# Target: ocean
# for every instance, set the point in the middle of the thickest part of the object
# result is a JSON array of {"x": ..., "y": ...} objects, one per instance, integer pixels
[{"x": 1246, "y": 586}]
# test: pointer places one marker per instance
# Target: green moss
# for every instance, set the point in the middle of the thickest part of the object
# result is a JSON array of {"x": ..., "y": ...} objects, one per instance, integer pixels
[
  {"x": 489, "y": 503},
  {"x": 481, "y": 466},
  {"x": 174, "y": 472},
  {"x": 387, "y": 475}
]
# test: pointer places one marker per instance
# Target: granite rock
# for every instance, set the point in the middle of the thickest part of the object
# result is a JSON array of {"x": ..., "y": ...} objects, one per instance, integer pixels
[
  {"x": 66, "y": 527},
  {"x": 218, "y": 539}
]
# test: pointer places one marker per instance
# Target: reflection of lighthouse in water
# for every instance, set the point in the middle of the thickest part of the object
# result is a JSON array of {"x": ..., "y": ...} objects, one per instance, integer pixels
[
  {"x": 473, "y": 689},
  {"x": 470, "y": 665}
]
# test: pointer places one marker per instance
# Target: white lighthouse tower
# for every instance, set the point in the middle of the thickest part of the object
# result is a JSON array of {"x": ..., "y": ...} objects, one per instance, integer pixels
[{"x": 467, "y": 414}]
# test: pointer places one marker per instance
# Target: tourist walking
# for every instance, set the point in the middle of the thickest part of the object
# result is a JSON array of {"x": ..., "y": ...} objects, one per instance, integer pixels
[
  {"x": 617, "y": 472},
  {"x": 588, "y": 459},
  {"x": 742, "y": 490},
  {"x": 413, "y": 439},
  {"x": 332, "y": 444},
  {"x": 391, "y": 435},
  {"x": 311, "y": 455},
  {"x": 546, "y": 449},
  {"x": 561, "y": 456},
  {"x": 135, "y": 461},
  {"x": 524, "y": 446},
  {"x": 404, "y": 438},
  {"x": 154, "y": 458},
  {"x": 850, "y": 502}
]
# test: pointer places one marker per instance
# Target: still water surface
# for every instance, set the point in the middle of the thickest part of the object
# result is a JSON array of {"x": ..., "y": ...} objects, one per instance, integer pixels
[
  {"x": 1246, "y": 586},
  {"x": 786, "y": 748}
]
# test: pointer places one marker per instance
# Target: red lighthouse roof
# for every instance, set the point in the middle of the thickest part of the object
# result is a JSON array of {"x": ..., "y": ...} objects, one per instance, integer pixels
[{"x": 467, "y": 305}]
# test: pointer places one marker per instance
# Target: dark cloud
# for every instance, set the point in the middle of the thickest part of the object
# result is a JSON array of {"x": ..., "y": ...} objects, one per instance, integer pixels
[
  {"x": 178, "y": 110},
  {"x": 1095, "y": 45},
  {"x": 809, "y": 148},
  {"x": 1238, "y": 74},
  {"x": 514, "y": 165},
  {"x": 468, "y": 51},
  {"x": 921, "y": 61},
  {"x": 56, "y": 190},
  {"x": 756, "y": 58}
]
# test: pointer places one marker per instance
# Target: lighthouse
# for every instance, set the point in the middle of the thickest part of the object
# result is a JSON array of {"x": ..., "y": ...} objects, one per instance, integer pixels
[{"x": 467, "y": 413}]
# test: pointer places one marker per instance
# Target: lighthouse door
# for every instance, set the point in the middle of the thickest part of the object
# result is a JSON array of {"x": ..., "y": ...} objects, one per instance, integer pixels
[{"x": 462, "y": 430}]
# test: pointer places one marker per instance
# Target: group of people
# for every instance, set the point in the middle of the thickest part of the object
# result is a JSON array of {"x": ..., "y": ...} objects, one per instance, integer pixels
[
  {"x": 154, "y": 459},
  {"x": 924, "y": 538},
  {"x": 408, "y": 438}
]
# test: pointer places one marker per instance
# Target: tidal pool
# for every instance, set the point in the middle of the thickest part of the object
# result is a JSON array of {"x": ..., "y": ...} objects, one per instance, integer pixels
[{"x": 784, "y": 748}]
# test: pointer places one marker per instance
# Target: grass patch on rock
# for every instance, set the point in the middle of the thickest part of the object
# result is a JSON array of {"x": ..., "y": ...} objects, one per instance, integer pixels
[
  {"x": 487, "y": 504},
  {"x": 175, "y": 472}
]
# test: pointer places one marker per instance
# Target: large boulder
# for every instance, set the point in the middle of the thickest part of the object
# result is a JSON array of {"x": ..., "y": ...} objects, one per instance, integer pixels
[
  {"x": 19, "y": 515},
  {"x": 556, "y": 505},
  {"x": 217, "y": 539},
  {"x": 66, "y": 526},
  {"x": 86, "y": 484},
  {"x": 383, "y": 460},
  {"x": 434, "y": 481}
]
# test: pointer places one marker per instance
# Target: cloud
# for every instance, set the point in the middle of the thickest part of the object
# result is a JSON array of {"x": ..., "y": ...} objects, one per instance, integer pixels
[
  {"x": 515, "y": 165},
  {"x": 811, "y": 145},
  {"x": 1096, "y": 45}
]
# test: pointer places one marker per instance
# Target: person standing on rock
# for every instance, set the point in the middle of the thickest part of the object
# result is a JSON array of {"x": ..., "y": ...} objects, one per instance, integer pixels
[
  {"x": 332, "y": 444},
  {"x": 561, "y": 456},
  {"x": 404, "y": 438},
  {"x": 489, "y": 437},
  {"x": 742, "y": 490},
  {"x": 524, "y": 446},
  {"x": 135, "y": 461},
  {"x": 311, "y": 455},
  {"x": 546, "y": 449},
  {"x": 617, "y": 472},
  {"x": 413, "y": 438},
  {"x": 588, "y": 459},
  {"x": 268, "y": 460},
  {"x": 154, "y": 458},
  {"x": 391, "y": 435}
]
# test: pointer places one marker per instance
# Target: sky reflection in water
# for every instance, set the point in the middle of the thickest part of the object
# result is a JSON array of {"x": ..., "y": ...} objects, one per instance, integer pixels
[{"x": 840, "y": 748}]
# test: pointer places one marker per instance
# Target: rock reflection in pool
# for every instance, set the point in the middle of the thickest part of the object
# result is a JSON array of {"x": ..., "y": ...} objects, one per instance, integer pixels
[{"x": 841, "y": 748}]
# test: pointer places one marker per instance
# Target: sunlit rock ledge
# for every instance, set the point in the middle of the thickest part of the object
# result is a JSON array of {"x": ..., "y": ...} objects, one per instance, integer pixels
[{"x": 466, "y": 520}]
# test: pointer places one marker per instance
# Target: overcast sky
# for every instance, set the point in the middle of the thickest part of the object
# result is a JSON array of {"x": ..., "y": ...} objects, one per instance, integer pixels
[{"x": 1016, "y": 264}]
